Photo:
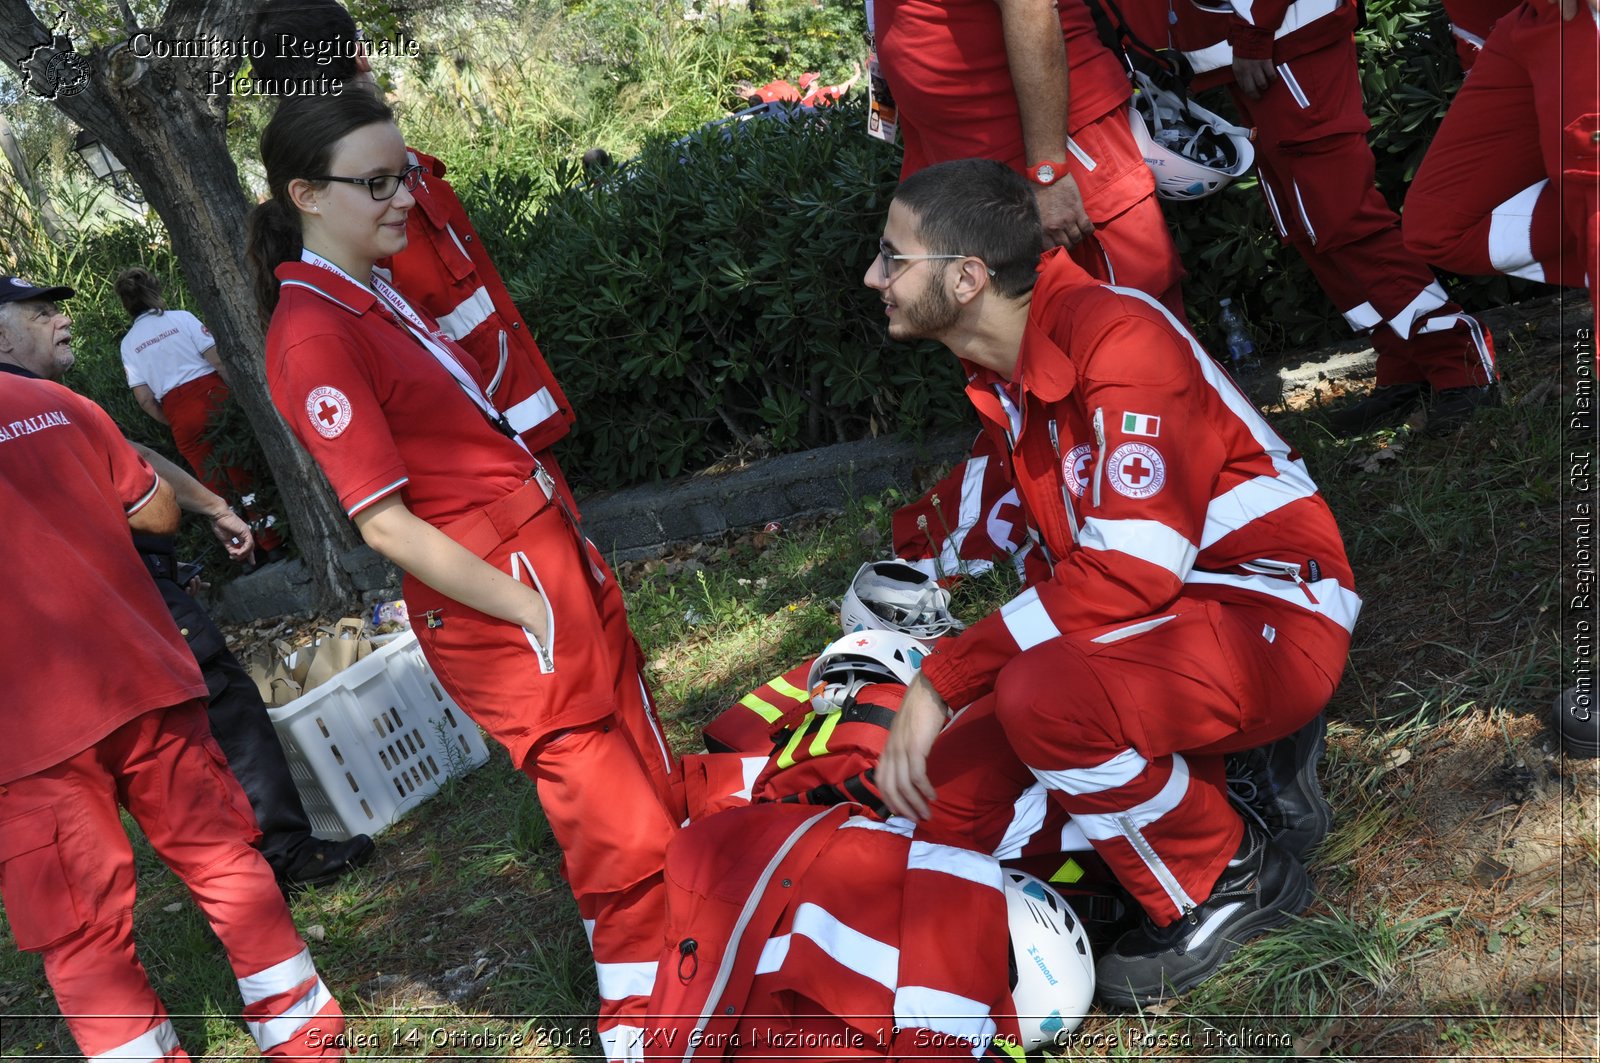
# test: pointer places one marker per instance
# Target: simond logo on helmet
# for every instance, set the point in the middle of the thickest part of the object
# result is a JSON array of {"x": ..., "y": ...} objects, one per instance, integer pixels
[{"x": 1044, "y": 969}]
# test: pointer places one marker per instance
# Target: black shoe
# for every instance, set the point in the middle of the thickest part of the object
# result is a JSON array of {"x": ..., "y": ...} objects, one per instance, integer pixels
[
  {"x": 1577, "y": 725},
  {"x": 320, "y": 861},
  {"x": 1277, "y": 786},
  {"x": 1451, "y": 408},
  {"x": 1387, "y": 407},
  {"x": 1260, "y": 888}
]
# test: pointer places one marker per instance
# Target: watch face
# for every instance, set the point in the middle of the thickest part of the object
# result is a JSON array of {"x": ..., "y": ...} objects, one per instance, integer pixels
[{"x": 1045, "y": 173}]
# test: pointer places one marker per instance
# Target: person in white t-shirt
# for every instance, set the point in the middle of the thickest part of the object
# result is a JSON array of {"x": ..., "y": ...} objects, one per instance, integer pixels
[{"x": 178, "y": 378}]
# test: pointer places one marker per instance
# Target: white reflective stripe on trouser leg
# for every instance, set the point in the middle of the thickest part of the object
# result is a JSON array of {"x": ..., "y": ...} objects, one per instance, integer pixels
[
  {"x": 1446, "y": 322},
  {"x": 655, "y": 728},
  {"x": 1427, "y": 301},
  {"x": 1272, "y": 205},
  {"x": 960, "y": 1018},
  {"x": 1130, "y": 824},
  {"x": 623, "y": 1044},
  {"x": 1028, "y": 621},
  {"x": 619, "y": 980},
  {"x": 1363, "y": 317},
  {"x": 535, "y": 409},
  {"x": 1511, "y": 234},
  {"x": 157, "y": 1043}
]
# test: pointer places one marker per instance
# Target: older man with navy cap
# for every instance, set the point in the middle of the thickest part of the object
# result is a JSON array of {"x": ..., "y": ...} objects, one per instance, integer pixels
[{"x": 35, "y": 332}]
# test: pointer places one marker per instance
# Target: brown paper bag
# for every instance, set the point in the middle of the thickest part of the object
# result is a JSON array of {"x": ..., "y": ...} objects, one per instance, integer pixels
[{"x": 336, "y": 651}]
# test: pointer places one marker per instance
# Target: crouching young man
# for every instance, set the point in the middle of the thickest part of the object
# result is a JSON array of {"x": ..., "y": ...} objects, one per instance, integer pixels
[{"x": 1197, "y": 600}]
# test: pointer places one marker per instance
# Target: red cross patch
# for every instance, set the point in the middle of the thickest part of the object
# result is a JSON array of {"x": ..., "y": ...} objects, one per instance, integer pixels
[
  {"x": 1075, "y": 469},
  {"x": 329, "y": 411},
  {"x": 1136, "y": 470}
]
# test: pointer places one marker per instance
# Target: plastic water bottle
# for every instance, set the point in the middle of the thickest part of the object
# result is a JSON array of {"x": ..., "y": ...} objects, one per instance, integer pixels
[{"x": 1241, "y": 348}]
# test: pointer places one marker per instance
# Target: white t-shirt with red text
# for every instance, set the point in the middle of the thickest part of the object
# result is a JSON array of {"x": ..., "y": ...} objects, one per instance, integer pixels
[{"x": 165, "y": 349}]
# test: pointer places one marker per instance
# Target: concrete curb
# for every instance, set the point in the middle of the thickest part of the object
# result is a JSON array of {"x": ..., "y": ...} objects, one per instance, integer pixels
[{"x": 641, "y": 521}]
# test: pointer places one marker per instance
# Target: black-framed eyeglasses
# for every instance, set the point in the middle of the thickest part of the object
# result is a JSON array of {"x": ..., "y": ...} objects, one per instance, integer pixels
[
  {"x": 887, "y": 258},
  {"x": 384, "y": 185}
]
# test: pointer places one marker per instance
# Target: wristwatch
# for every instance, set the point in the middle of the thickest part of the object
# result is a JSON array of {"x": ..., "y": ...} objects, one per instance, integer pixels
[{"x": 1047, "y": 173}]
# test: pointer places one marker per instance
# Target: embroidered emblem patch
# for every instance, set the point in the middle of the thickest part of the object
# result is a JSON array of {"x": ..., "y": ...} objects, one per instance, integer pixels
[
  {"x": 1141, "y": 424},
  {"x": 329, "y": 411},
  {"x": 1136, "y": 470},
  {"x": 1075, "y": 469}
]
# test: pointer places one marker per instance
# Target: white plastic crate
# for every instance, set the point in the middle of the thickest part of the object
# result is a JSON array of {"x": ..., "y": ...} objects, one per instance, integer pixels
[{"x": 374, "y": 741}]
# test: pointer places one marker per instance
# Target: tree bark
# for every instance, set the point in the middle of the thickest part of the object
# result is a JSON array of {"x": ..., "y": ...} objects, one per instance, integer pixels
[
  {"x": 35, "y": 195},
  {"x": 157, "y": 117}
]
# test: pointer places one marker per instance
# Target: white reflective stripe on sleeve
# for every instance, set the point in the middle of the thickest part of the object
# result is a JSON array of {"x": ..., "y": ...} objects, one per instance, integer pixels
[
  {"x": 1427, "y": 301},
  {"x": 1073, "y": 840},
  {"x": 847, "y": 946},
  {"x": 278, "y": 978},
  {"x": 588, "y": 932},
  {"x": 1363, "y": 317},
  {"x": 1130, "y": 630},
  {"x": 1099, "y": 826},
  {"x": 1082, "y": 156},
  {"x": 894, "y": 825},
  {"x": 148, "y": 1047},
  {"x": 1290, "y": 83},
  {"x": 270, "y": 1033},
  {"x": 376, "y": 495},
  {"x": 1148, "y": 540},
  {"x": 773, "y": 953},
  {"x": 1245, "y": 9},
  {"x": 1511, "y": 234},
  {"x": 618, "y": 980},
  {"x": 471, "y": 312},
  {"x": 1120, "y": 770},
  {"x": 1303, "y": 13},
  {"x": 1252, "y": 499},
  {"x": 1468, "y": 36},
  {"x": 535, "y": 409},
  {"x": 623, "y": 1043},
  {"x": 1027, "y": 818},
  {"x": 923, "y": 1008},
  {"x": 961, "y": 863},
  {"x": 1337, "y": 603},
  {"x": 1213, "y": 57},
  {"x": 144, "y": 499},
  {"x": 1027, "y": 620}
]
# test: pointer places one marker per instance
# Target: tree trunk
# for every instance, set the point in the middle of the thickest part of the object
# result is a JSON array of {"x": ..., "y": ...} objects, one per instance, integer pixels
[
  {"x": 157, "y": 118},
  {"x": 35, "y": 195}
]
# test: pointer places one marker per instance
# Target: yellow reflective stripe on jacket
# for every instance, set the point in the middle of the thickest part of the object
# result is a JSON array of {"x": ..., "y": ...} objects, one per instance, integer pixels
[
  {"x": 765, "y": 710},
  {"x": 819, "y": 745},
  {"x": 788, "y": 689},
  {"x": 786, "y": 758}
]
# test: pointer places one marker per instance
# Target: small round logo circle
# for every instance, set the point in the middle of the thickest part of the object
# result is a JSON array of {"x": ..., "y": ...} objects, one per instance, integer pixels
[
  {"x": 67, "y": 73},
  {"x": 1075, "y": 469},
  {"x": 329, "y": 411},
  {"x": 1136, "y": 470}
]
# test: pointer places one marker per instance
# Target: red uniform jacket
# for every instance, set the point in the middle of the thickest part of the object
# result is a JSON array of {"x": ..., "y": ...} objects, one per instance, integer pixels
[
  {"x": 1146, "y": 474},
  {"x": 1279, "y": 30},
  {"x": 445, "y": 272}
]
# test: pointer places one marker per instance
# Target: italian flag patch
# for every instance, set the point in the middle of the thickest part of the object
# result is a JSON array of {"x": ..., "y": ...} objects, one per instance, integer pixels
[{"x": 1141, "y": 424}]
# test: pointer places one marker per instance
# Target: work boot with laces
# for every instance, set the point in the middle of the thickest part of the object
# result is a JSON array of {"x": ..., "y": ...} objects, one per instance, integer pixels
[
  {"x": 1276, "y": 786},
  {"x": 1261, "y": 887}
]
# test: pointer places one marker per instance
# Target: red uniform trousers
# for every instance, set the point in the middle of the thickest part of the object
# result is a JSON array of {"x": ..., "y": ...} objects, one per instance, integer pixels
[
  {"x": 67, "y": 876},
  {"x": 1119, "y": 195},
  {"x": 1510, "y": 182},
  {"x": 1135, "y": 752},
  {"x": 189, "y": 409},
  {"x": 576, "y": 718},
  {"x": 1318, "y": 173}
]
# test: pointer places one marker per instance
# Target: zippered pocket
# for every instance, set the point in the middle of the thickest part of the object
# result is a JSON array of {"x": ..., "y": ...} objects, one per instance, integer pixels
[
  {"x": 1100, "y": 451},
  {"x": 547, "y": 650},
  {"x": 1266, "y": 566}
]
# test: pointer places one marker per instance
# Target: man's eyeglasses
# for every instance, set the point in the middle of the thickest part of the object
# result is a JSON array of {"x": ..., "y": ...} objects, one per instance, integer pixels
[
  {"x": 887, "y": 258},
  {"x": 384, "y": 185}
]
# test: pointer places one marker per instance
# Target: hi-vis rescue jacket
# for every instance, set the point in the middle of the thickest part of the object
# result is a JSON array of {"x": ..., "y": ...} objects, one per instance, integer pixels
[
  {"x": 1209, "y": 35},
  {"x": 1145, "y": 474},
  {"x": 819, "y": 934},
  {"x": 445, "y": 271}
]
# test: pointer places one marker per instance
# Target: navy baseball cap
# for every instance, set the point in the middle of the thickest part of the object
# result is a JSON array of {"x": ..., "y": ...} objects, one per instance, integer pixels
[{"x": 17, "y": 290}]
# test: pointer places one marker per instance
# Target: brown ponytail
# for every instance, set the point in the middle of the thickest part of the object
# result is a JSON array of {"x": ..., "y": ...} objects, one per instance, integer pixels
[
  {"x": 139, "y": 290},
  {"x": 297, "y": 145}
]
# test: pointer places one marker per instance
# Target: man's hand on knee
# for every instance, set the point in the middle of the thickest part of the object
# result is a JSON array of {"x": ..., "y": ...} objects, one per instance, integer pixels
[{"x": 902, "y": 772}]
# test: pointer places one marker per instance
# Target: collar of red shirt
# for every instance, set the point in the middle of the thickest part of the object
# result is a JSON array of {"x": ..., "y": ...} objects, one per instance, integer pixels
[{"x": 331, "y": 286}]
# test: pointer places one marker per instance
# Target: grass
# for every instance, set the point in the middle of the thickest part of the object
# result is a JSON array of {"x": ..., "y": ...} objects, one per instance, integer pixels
[{"x": 1456, "y": 911}]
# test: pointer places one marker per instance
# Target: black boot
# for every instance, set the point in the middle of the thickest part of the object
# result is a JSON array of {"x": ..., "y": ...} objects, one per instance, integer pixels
[
  {"x": 1577, "y": 725},
  {"x": 1260, "y": 888},
  {"x": 1387, "y": 406},
  {"x": 318, "y": 861},
  {"x": 1277, "y": 786}
]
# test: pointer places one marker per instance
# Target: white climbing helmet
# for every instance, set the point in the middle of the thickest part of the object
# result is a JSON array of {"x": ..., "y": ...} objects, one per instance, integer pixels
[
  {"x": 861, "y": 659},
  {"x": 895, "y": 596},
  {"x": 1052, "y": 981},
  {"x": 1193, "y": 152}
]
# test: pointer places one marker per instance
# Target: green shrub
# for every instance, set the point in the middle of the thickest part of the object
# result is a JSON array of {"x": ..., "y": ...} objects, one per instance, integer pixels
[{"x": 708, "y": 297}]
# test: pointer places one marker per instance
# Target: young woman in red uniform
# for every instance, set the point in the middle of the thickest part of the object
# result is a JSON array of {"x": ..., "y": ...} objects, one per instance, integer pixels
[{"x": 516, "y": 611}]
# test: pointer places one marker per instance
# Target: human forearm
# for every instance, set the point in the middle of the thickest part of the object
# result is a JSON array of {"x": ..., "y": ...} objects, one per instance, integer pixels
[
  {"x": 1037, "y": 56},
  {"x": 149, "y": 404},
  {"x": 159, "y": 515},
  {"x": 192, "y": 496},
  {"x": 429, "y": 555}
]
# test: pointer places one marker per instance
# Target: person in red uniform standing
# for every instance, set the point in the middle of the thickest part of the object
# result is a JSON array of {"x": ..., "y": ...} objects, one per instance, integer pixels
[
  {"x": 1029, "y": 83},
  {"x": 1509, "y": 183},
  {"x": 1291, "y": 66},
  {"x": 1198, "y": 600},
  {"x": 444, "y": 266},
  {"x": 515, "y": 609},
  {"x": 1470, "y": 24},
  {"x": 105, "y": 707},
  {"x": 178, "y": 379}
]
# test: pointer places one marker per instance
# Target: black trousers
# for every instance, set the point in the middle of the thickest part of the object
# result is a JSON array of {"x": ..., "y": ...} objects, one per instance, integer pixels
[{"x": 238, "y": 716}]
